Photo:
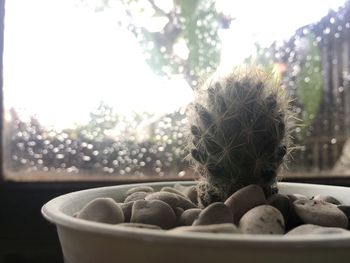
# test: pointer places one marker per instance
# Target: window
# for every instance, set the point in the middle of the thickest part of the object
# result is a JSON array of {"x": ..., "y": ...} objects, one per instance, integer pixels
[{"x": 99, "y": 88}]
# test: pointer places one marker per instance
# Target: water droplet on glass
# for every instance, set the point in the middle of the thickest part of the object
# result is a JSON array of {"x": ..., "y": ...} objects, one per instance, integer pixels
[
  {"x": 59, "y": 156},
  {"x": 326, "y": 31},
  {"x": 86, "y": 158},
  {"x": 182, "y": 174}
]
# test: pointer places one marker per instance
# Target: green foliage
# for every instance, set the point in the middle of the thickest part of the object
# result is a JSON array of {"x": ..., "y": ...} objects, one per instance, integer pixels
[
  {"x": 309, "y": 83},
  {"x": 239, "y": 133},
  {"x": 201, "y": 35},
  {"x": 193, "y": 23}
]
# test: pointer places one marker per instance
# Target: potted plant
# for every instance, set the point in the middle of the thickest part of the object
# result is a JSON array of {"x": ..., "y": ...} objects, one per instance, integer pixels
[{"x": 237, "y": 212}]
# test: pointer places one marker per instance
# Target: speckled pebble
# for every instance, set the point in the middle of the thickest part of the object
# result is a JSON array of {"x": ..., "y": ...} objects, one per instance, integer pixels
[
  {"x": 320, "y": 213},
  {"x": 139, "y": 225},
  {"x": 245, "y": 199},
  {"x": 326, "y": 198},
  {"x": 153, "y": 212},
  {"x": 189, "y": 216},
  {"x": 215, "y": 213},
  {"x": 103, "y": 210},
  {"x": 309, "y": 229},
  {"x": 217, "y": 228},
  {"x": 263, "y": 219},
  {"x": 136, "y": 196},
  {"x": 140, "y": 188}
]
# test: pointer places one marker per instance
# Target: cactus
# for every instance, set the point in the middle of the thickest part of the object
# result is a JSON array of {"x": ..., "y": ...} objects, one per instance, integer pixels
[{"x": 239, "y": 133}]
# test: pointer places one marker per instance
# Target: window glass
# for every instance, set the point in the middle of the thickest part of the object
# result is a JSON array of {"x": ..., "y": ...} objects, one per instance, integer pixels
[{"x": 100, "y": 87}]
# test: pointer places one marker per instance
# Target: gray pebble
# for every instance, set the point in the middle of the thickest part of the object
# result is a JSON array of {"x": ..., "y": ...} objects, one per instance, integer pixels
[
  {"x": 192, "y": 194},
  {"x": 153, "y": 212},
  {"x": 309, "y": 229},
  {"x": 245, "y": 199},
  {"x": 169, "y": 198},
  {"x": 320, "y": 213},
  {"x": 346, "y": 210},
  {"x": 185, "y": 203},
  {"x": 189, "y": 191},
  {"x": 139, "y": 225},
  {"x": 178, "y": 212},
  {"x": 217, "y": 228},
  {"x": 141, "y": 188},
  {"x": 189, "y": 216},
  {"x": 326, "y": 198},
  {"x": 103, "y": 210},
  {"x": 215, "y": 213},
  {"x": 172, "y": 190},
  {"x": 263, "y": 219},
  {"x": 294, "y": 197},
  {"x": 127, "y": 208},
  {"x": 282, "y": 203},
  {"x": 136, "y": 196}
]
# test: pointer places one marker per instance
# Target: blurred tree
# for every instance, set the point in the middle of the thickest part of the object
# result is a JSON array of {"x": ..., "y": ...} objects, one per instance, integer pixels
[
  {"x": 309, "y": 83},
  {"x": 101, "y": 120},
  {"x": 177, "y": 37}
]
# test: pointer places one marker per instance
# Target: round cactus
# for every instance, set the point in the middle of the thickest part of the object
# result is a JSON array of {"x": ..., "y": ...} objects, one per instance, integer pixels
[{"x": 239, "y": 133}]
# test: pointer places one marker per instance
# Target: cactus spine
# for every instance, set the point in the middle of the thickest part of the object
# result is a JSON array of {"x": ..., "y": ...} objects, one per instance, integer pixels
[{"x": 239, "y": 133}]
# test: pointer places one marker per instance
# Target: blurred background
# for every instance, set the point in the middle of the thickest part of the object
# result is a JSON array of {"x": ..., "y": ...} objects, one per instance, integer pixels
[{"x": 99, "y": 88}]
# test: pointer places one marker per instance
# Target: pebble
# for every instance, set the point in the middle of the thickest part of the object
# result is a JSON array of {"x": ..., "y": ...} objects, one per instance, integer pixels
[
  {"x": 189, "y": 216},
  {"x": 141, "y": 188},
  {"x": 309, "y": 229},
  {"x": 227, "y": 228},
  {"x": 320, "y": 213},
  {"x": 263, "y": 219},
  {"x": 215, "y": 213},
  {"x": 127, "y": 208},
  {"x": 139, "y": 225},
  {"x": 189, "y": 191},
  {"x": 345, "y": 209},
  {"x": 178, "y": 212},
  {"x": 172, "y": 190},
  {"x": 153, "y": 212},
  {"x": 326, "y": 198},
  {"x": 136, "y": 196},
  {"x": 294, "y": 197},
  {"x": 103, "y": 210},
  {"x": 282, "y": 203},
  {"x": 169, "y": 198},
  {"x": 245, "y": 199},
  {"x": 185, "y": 203}
]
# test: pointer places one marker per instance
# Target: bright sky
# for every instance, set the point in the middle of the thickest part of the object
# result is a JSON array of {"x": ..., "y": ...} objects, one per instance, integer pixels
[{"x": 60, "y": 61}]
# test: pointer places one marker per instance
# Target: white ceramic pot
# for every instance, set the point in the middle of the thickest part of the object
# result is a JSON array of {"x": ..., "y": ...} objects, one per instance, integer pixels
[{"x": 90, "y": 242}]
